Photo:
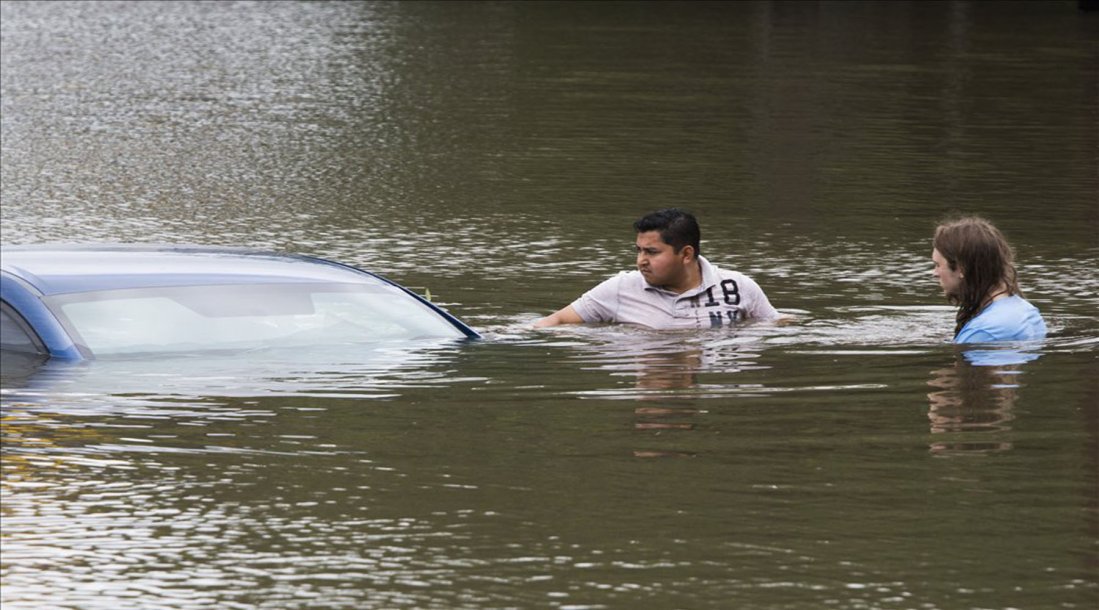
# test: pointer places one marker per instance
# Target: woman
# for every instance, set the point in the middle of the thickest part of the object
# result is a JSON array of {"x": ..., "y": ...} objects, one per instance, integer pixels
[{"x": 976, "y": 268}]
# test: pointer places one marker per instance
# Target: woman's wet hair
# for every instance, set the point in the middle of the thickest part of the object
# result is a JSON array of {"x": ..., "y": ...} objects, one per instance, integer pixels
[
  {"x": 677, "y": 227},
  {"x": 986, "y": 260}
]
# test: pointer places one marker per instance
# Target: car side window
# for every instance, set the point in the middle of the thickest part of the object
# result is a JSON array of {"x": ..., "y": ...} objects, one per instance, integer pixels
[{"x": 15, "y": 334}]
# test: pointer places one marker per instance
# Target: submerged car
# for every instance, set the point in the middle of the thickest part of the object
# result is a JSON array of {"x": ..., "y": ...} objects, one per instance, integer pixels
[{"x": 77, "y": 302}]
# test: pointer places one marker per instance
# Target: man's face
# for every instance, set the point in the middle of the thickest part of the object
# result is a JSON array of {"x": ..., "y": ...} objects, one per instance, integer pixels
[
  {"x": 658, "y": 262},
  {"x": 951, "y": 280}
]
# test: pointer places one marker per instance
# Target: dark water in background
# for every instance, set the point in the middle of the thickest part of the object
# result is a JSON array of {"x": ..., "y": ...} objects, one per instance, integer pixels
[{"x": 496, "y": 155}]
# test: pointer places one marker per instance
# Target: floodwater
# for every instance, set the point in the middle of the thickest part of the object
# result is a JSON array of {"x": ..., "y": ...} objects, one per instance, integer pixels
[{"x": 496, "y": 154}]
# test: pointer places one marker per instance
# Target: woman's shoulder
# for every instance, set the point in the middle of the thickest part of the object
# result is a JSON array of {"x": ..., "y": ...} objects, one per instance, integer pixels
[
  {"x": 1010, "y": 306},
  {"x": 1011, "y": 318}
]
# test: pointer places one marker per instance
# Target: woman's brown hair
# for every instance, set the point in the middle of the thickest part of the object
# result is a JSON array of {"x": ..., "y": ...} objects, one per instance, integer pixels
[{"x": 986, "y": 261}]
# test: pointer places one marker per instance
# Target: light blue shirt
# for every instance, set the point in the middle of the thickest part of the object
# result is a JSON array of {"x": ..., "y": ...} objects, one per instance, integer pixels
[{"x": 1008, "y": 319}]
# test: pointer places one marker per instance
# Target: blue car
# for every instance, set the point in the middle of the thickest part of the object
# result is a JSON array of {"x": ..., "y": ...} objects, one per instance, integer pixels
[{"x": 86, "y": 301}]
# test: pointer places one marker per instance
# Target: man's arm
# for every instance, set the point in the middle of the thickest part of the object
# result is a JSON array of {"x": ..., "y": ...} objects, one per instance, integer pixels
[{"x": 567, "y": 315}]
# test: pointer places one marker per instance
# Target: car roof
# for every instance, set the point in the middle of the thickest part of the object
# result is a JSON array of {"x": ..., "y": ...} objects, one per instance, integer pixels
[{"x": 66, "y": 268}]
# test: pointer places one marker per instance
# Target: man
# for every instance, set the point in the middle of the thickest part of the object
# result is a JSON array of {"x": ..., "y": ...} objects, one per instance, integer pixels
[
  {"x": 674, "y": 287},
  {"x": 975, "y": 267}
]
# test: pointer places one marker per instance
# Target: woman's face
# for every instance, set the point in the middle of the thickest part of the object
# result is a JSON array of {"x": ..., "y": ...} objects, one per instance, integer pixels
[{"x": 951, "y": 280}]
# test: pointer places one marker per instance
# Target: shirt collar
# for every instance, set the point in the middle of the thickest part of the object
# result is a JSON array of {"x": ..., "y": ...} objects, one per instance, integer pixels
[{"x": 709, "y": 278}]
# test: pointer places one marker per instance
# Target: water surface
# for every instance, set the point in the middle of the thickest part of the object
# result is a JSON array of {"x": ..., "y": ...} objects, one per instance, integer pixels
[{"x": 495, "y": 154}]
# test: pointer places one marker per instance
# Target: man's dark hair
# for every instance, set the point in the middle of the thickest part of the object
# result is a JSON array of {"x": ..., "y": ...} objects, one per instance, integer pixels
[{"x": 677, "y": 228}]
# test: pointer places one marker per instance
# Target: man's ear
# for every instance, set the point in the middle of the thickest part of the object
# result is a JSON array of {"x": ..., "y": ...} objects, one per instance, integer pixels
[{"x": 688, "y": 252}]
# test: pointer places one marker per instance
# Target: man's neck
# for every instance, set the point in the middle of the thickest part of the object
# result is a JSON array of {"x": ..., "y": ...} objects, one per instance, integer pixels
[{"x": 691, "y": 280}]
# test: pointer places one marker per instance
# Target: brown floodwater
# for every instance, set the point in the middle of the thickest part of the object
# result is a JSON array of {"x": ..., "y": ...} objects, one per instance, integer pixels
[{"x": 496, "y": 154}]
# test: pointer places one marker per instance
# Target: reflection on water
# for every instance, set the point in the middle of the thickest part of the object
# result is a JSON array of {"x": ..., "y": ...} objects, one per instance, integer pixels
[
  {"x": 495, "y": 154},
  {"x": 661, "y": 371},
  {"x": 368, "y": 371},
  {"x": 973, "y": 404},
  {"x": 664, "y": 371},
  {"x": 651, "y": 365}
]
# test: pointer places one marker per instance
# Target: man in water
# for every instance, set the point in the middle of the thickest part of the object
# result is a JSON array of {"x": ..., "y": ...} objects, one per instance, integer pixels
[
  {"x": 674, "y": 287},
  {"x": 976, "y": 268}
]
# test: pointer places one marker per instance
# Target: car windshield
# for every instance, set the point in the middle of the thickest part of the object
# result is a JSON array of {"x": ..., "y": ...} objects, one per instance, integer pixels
[{"x": 242, "y": 317}]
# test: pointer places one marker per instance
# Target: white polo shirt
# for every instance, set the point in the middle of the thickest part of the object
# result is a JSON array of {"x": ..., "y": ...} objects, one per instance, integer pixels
[{"x": 723, "y": 299}]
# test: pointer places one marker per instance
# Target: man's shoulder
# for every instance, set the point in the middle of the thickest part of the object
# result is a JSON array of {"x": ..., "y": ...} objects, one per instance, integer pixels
[
  {"x": 725, "y": 273},
  {"x": 623, "y": 276},
  {"x": 623, "y": 280}
]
